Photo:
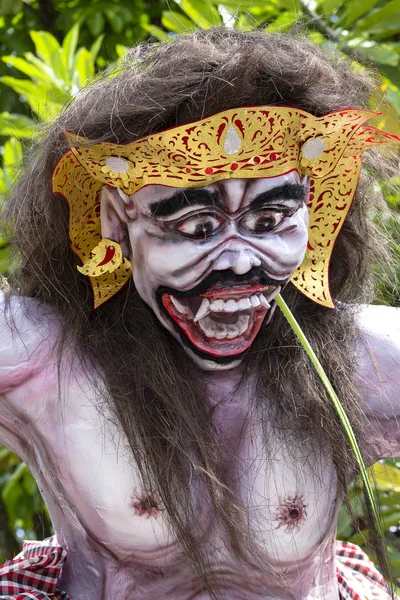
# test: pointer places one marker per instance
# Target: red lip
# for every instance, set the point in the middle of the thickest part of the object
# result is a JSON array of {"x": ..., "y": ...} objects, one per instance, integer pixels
[
  {"x": 216, "y": 347},
  {"x": 237, "y": 290}
]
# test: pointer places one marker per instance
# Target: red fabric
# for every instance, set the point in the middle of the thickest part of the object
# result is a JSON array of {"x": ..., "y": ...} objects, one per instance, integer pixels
[
  {"x": 357, "y": 576},
  {"x": 33, "y": 574}
]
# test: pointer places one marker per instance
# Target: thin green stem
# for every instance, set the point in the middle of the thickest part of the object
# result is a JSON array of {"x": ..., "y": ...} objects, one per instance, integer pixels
[{"x": 338, "y": 407}]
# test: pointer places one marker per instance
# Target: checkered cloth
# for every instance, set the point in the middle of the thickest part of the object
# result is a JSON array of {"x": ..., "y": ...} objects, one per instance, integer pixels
[
  {"x": 33, "y": 574},
  {"x": 357, "y": 577}
]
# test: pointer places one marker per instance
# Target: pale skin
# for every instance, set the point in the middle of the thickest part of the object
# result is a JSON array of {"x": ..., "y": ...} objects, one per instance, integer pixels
[
  {"x": 118, "y": 541},
  {"x": 178, "y": 239}
]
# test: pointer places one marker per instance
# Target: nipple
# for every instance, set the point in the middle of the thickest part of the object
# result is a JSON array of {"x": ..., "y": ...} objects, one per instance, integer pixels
[
  {"x": 291, "y": 512},
  {"x": 146, "y": 505}
]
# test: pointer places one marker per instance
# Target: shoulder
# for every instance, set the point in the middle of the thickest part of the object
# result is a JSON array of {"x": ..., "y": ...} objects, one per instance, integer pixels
[
  {"x": 380, "y": 322},
  {"x": 378, "y": 357},
  {"x": 27, "y": 328}
]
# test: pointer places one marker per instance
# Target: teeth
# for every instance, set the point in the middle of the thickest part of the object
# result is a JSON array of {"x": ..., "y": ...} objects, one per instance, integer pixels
[
  {"x": 221, "y": 331},
  {"x": 230, "y": 306},
  {"x": 274, "y": 293},
  {"x": 181, "y": 308},
  {"x": 271, "y": 312},
  {"x": 208, "y": 326},
  {"x": 203, "y": 310},
  {"x": 264, "y": 301},
  {"x": 244, "y": 304},
  {"x": 217, "y": 306}
]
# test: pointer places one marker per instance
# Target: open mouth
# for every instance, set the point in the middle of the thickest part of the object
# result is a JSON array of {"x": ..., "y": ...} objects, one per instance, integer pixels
[{"x": 223, "y": 321}]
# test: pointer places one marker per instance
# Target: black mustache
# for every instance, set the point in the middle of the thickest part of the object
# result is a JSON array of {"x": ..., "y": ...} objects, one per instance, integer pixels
[{"x": 256, "y": 276}]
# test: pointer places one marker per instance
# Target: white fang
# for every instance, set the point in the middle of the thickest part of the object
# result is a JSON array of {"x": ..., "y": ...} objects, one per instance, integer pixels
[
  {"x": 232, "y": 142},
  {"x": 181, "y": 308},
  {"x": 203, "y": 310}
]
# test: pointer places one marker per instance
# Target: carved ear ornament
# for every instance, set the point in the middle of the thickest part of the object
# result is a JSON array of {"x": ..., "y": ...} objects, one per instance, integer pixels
[{"x": 251, "y": 142}]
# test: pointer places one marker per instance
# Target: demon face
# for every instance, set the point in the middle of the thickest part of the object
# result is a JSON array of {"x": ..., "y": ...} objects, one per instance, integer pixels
[{"x": 210, "y": 260}]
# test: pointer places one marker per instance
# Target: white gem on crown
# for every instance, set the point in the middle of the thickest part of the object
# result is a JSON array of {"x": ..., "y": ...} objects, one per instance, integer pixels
[
  {"x": 116, "y": 164},
  {"x": 313, "y": 149},
  {"x": 232, "y": 142}
]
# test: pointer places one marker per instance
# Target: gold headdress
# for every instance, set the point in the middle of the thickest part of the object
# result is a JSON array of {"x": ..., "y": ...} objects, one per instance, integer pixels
[{"x": 252, "y": 142}]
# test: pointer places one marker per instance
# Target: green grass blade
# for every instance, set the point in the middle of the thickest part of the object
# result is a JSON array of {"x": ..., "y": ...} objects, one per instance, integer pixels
[{"x": 338, "y": 407}]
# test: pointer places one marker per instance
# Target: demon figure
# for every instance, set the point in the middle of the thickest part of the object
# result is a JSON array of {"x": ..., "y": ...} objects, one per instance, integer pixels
[{"x": 183, "y": 441}]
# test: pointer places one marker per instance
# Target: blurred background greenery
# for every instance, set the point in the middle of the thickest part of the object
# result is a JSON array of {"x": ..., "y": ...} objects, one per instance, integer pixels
[{"x": 49, "y": 49}]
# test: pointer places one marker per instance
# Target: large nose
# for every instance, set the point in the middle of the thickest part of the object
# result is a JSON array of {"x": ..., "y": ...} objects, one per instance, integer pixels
[{"x": 240, "y": 261}]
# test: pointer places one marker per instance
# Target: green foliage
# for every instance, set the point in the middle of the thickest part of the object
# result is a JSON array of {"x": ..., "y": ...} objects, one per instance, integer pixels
[
  {"x": 17, "y": 126},
  {"x": 48, "y": 53},
  {"x": 351, "y": 524},
  {"x": 20, "y": 499},
  {"x": 54, "y": 73},
  {"x": 11, "y": 159}
]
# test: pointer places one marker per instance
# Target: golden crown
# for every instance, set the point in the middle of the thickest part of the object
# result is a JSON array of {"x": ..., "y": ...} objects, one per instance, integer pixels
[{"x": 253, "y": 142}]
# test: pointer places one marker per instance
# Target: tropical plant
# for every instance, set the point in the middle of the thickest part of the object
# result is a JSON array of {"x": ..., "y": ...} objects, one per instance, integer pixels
[
  {"x": 55, "y": 72},
  {"x": 11, "y": 160}
]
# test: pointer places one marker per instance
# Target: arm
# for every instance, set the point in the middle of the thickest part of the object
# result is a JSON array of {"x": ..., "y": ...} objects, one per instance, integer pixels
[
  {"x": 24, "y": 348},
  {"x": 378, "y": 377}
]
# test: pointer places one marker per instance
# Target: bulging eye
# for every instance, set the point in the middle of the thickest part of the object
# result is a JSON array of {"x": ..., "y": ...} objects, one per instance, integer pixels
[
  {"x": 200, "y": 226},
  {"x": 262, "y": 221}
]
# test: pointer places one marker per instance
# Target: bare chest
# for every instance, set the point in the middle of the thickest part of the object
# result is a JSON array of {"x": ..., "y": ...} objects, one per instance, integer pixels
[{"x": 287, "y": 491}]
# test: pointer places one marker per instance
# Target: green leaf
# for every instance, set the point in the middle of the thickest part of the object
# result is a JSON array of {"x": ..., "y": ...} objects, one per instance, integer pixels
[
  {"x": 29, "y": 483},
  {"x": 22, "y": 86},
  {"x": 344, "y": 525},
  {"x": 204, "y": 15},
  {"x": 284, "y": 21},
  {"x": 121, "y": 50},
  {"x": 4, "y": 452},
  {"x": 380, "y": 53},
  {"x": 292, "y": 5},
  {"x": 25, "y": 67},
  {"x": 96, "y": 23},
  {"x": 49, "y": 50},
  {"x": 392, "y": 73},
  {"x": 45, "y": 102},
  {"x": 11, "y": 159},
  {"x": 10, "y": 490},
  {"x": 12, "y": 153},
  {"x": 355, "y": 10},
  {"x": 5, "y": 257},
  {"x": 176, "y": 22},
  {"x": 156, "y": 32},
  {"x": 393, "y": 95},
  {"x": 83, "y": 68},
  {"x": 48, "y": 75},
  {"x": 18, "y": 126},
  {"x": 10, "y": 7},
  {"x": 69, "y": 46},
  {"x": 239, "y": 4},
  {"x": 95, "y": 48},
  {"x": 329, "y": 7},
  {"x": 387, "y": 477},
  {"x": 381, "y": 18},
  {"x": 116, "y": 20},
  {"x": 245, "y": 22}
]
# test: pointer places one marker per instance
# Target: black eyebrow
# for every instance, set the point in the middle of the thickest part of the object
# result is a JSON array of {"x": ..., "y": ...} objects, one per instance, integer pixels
[
  {"x": 287, "y": 191},
  {"x": 182, "y": 199}
]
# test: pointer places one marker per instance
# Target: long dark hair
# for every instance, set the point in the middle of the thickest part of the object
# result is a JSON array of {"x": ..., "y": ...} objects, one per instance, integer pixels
[{"x": 153, "y": 389}]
